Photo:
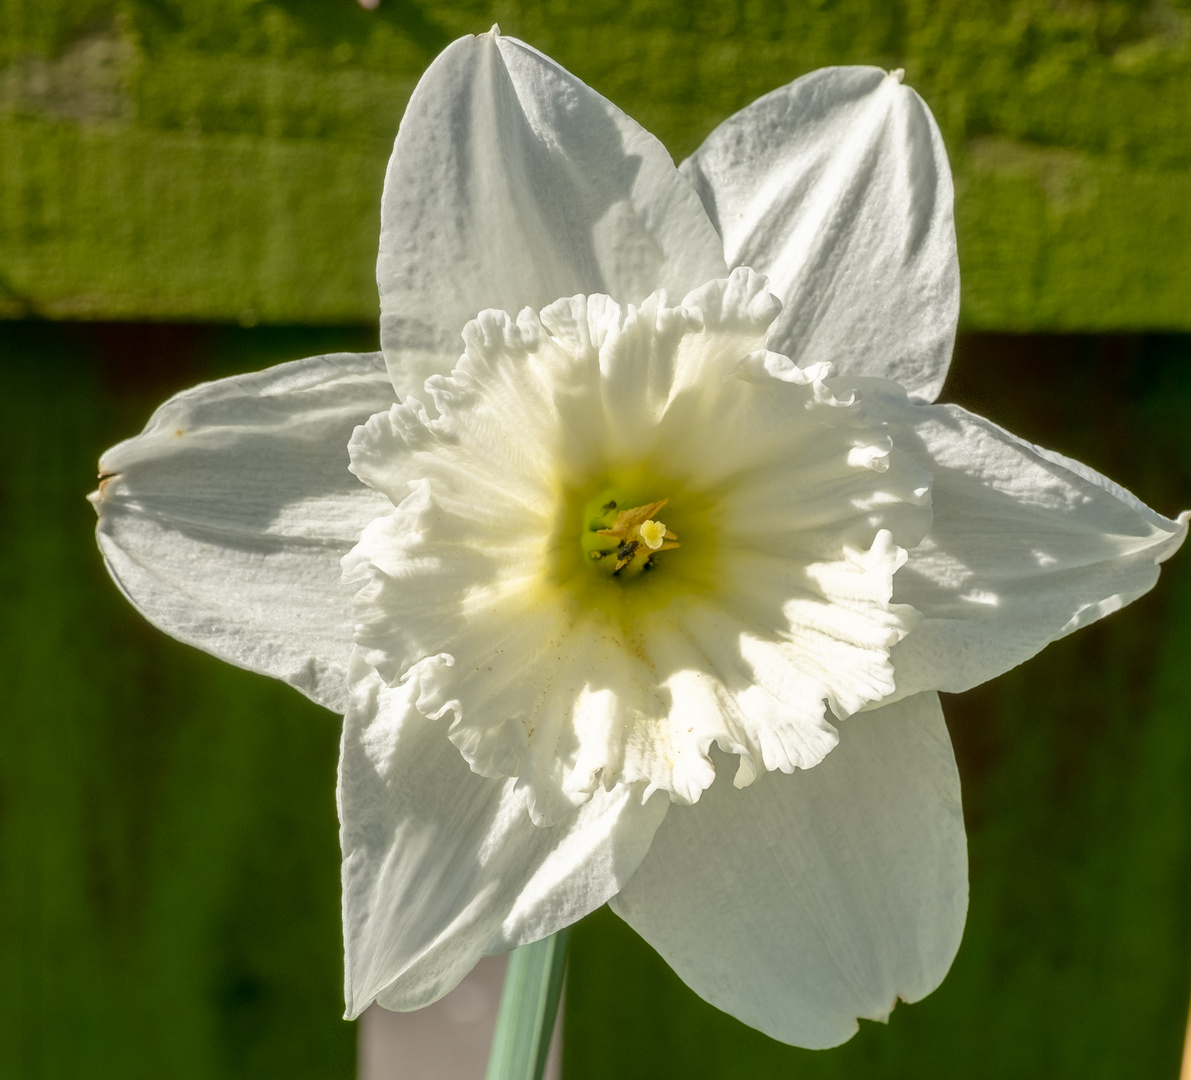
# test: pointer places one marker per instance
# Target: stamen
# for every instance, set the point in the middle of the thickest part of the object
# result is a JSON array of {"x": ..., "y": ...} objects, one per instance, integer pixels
[
  {"x": 637, "y": 534},
  {"x": 653, "y": 533}
]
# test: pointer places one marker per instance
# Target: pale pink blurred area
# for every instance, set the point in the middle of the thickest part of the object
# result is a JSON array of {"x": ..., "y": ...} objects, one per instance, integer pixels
[
  {"x": 448, "y": 1040},
  {"x": 1184, "y": 1073}
]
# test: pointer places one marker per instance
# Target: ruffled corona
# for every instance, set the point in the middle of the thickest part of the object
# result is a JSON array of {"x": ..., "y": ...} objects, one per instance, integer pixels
[{"x": 621, "y": 536}]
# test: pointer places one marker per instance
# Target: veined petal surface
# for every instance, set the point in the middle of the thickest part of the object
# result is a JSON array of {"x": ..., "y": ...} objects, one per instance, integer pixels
[
  {"x": 807, "y": 901},
  {"x": 513, "y": 183},
  {"x": 837, "y": 188},
  {"x": 791, "y": 508},
  {"x": 441, "y": 866},
  {"x": 225, "y": 520},
  {"x": 1026, "y": 546}
]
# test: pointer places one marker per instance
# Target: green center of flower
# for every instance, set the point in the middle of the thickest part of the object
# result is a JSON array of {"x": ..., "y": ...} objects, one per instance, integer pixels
[
  {"x": 622, "y": 541},
  {"x": 632, "y": 541}
]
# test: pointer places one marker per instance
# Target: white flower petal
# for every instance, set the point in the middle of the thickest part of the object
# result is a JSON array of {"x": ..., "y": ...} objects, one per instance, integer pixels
[
  {"x": 1026, "y": 547},
  {"x": 806, "y": 901},
  {"x": 512, "y": 183},
  {"x": 837, "y": 188},
  {"x": 442, "y": 866},
  {"x": 225, "y": 520},
  {"x": 791, "y": 512}
]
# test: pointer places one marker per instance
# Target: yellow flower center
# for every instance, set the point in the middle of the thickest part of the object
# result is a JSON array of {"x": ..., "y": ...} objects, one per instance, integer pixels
[
  {"x": 630, "y": 542},
  {"x": 629, "y": 538}
]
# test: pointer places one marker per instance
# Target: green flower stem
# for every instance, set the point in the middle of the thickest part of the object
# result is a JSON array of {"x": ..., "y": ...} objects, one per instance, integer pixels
[{"x": 528, "y": 1007}]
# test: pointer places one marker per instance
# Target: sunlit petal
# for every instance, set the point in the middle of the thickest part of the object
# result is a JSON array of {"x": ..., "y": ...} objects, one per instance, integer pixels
[
  {"x": 511, "y": 184},
  {"x": 807, "y": 901},
  {"x": 837, "y": 188},
  {"x": 442, "y": 866},
  {"x": 225, "y": 520}
]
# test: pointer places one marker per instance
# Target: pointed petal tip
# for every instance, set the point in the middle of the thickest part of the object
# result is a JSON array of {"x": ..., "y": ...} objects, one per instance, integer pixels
[
  {"x": 1179, "y": 538},
  {"x": 354, "y": 1007},
  {"x": 898, "y": 75},
  {"x": 752, "y": 174},
  {"x": 555, "y": 156},
  {"x": 106, "y": 478}
]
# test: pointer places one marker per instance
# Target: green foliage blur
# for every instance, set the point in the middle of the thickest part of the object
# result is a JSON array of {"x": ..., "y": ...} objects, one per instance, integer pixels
[{"x": 169, "y": 885}]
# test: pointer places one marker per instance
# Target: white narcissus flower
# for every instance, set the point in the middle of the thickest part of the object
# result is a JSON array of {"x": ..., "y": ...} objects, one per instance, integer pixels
[{"x": 655, "y": 585}]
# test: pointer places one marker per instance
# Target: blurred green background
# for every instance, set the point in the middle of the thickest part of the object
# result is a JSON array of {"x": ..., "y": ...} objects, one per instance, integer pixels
[{"x": 189, "y": 188}]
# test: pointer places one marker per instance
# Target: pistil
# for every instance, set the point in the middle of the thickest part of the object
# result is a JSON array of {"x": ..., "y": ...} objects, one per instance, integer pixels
[{"x": 638, "y": 535}]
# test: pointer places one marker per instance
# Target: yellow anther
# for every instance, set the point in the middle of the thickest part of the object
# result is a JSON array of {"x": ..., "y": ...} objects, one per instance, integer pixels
[
  {"x": 637, "y": 536},
  {"x": 653, "y": 533}
]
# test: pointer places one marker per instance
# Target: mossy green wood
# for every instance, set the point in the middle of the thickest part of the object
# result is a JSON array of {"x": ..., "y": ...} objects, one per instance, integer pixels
[
  {"x": 223, "y": 159},
  {"x": 1076, "y": 960},
  {"x": 169, "y": 871}
]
